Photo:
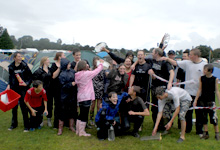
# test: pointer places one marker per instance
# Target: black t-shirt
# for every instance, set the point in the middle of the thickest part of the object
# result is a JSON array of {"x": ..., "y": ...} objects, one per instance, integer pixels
[
  {"x": 161, "y": 69},
  {"x": 141, "y": 75},
  {"x": 55, "y": 82},
  {"x": 181, "y": 76},
  {"x": 137, "y": 105},
  {"x": 208, "y": 89}
]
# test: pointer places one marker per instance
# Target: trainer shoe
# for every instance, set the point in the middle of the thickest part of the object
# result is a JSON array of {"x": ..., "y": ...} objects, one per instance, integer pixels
[
  {"x": 11, "y": 128},
  {"x": 205, "y": 137},
  {"x": 180, "y": 140},
  {"x": 26, "y": 130},
  {"x": 49, "y": 124},
  {"x": 32, "y": 129}
]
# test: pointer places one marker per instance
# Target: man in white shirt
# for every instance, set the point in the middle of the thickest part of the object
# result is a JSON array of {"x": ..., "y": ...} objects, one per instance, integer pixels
[{"x": 182, "y": 101}]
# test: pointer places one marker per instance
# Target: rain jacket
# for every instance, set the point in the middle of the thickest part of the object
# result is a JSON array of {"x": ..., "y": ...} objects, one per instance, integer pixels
[{"x": 84, "y": 83}]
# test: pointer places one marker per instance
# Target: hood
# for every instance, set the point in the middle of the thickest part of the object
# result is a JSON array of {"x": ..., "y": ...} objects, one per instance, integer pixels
[{"x": 63, "y": 64}]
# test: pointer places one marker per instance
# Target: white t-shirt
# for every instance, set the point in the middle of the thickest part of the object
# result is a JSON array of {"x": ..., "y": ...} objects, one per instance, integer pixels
[
  {"x": 193, "y": 72},
  {"x": 176, "y": 94}
]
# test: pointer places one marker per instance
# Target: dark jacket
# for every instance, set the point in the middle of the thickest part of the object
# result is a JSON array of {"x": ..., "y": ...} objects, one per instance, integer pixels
[
  {"x": 117, "y": 81},
  {"x": 24, "y": 72},
  {"x": 68, "y": 91},
  {"x": 43, "y": 76}
]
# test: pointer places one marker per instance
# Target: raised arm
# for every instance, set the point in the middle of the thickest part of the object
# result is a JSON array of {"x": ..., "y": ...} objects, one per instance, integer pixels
[{"x": 173, "y": 62}]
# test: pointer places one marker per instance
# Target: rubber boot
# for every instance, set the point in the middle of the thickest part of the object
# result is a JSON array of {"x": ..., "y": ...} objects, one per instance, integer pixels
[
  {"x": 77, "y": 126},
  {"x": 60, "y": 130},
  {"x": 71, "y": 122},
  {"x": 82, "y": 131}
]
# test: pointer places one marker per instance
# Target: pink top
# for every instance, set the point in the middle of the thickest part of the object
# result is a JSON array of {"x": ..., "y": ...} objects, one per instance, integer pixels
[{"x": 83, "y": 79}]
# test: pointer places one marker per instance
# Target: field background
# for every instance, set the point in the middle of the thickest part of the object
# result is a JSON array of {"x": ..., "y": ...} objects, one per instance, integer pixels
[{"x": 46, "y": 138}]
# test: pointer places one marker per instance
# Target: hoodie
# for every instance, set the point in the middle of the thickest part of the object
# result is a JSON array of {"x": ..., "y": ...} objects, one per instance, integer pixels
[{"x": 84, "y": 83}]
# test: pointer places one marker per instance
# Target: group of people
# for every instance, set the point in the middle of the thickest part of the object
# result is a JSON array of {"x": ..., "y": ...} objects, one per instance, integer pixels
[{"x": 121, "y": 93}]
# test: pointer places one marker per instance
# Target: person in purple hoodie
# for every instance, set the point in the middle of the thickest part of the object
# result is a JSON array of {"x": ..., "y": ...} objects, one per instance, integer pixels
[{"x": 83, "y": 79}]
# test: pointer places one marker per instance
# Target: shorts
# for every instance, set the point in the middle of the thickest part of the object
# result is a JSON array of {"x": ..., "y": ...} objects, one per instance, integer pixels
[
  {"x": 212, "y": 114},
  {"x": 184, "y": 107},
  {"x": 168, "y": 109}
]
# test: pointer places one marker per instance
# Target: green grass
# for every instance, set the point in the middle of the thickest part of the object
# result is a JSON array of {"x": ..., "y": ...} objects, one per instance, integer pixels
[{"x": 46, "y": 138}]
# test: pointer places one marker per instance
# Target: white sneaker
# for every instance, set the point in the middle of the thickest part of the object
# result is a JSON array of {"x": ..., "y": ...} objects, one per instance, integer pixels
[
  {"x": 49, "y": 124},
  {"x": 42, "y": 124},
  {"x": 200, "y": 135}
]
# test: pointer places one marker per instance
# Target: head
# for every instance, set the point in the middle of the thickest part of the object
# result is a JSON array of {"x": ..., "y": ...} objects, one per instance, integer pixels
[
  {"x": 194, "y": 54},
  {"x": 112, "y": 96},
  {"x": 127, "y": 63},
  {"x": 171, "y": 54},
  {"x": 44, "y": 61},
  {"x": 134, "y": 90},
  {"x": 76, "y": 55},
  {"x": 208, "y": 69},
  {"x": 38, "y": 85},
  {"x": 160, "y": 93},
  {"x": 82, "y": 65},
  {"x": 121, "y": 69},
  {"x": 130, "y": 55},
  {"x": 59, "y": 55},
  {"x": 65, "y": 64},
  {"x": 141, "y": 56},
  {"x": 157, "y": 52},
  {"x": 94, "y": 62},
  {"x": 185, "y": 55},
  {"x": 17, "y": 57}
]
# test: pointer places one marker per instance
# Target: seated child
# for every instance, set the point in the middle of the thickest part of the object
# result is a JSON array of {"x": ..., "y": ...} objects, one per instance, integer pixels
[
  {"x": 33, "y": 99},
  {"x": 136, "y": 110},
  {"x": 182, "y": 101},
  {"x": 208, "y": 87},
  {"x": 108, "y": 115}
]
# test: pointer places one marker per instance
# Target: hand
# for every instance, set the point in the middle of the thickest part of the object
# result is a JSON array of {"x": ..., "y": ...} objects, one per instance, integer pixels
[
  {"x": 101, "y": 61},
  {"x": 164, "y": 58},
  {"x": 104, "y": 49},
  {"x": 154, "y": 132},
  {"x": 33, "y": 112},
  {"x": 132, "y": 67},
  {"x": 45, "y": 112},
  {"x": 73, "y": 83},
  {"x": 194, "y": 103},
  {"x": 169, "y": 86},
  {"x": 114, "y": 123},
  {"x": 131, "y": 112},
  {"x": 128, "y": 100},
  {"x": 22, "y": 84},
  {"x": 168, "y": 125}
]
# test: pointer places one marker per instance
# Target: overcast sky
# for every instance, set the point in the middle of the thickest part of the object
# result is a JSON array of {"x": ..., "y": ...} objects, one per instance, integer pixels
[{"x": 130, "y": 24}]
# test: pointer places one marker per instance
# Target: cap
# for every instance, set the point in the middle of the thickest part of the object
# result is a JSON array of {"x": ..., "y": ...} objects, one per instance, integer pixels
[{"x": 171, "y": 52}]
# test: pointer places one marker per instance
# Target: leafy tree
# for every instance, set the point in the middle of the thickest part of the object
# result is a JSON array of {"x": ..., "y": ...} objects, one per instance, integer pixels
[
  {"x": 205, "y": 50},
  {"x": 216, "y": 53},
  {"x": 5, "y": 41},
  {"x": 25, "y": 42}
]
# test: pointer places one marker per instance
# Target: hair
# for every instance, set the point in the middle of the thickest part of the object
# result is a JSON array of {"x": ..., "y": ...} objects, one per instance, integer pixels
[
  {"x": 75, "y": 50},
  {"x": 159, "y": 51},
  {"x": 121, "y": 64},
  {"x": 36, "y": 83},
  {"x": 137, "y": 89},
  {"x": 141, "y": 51},
  {"x": 186, "y": 51},
  {"x": 111, "y": 93},
  {"x": 160, "y": 91},
  {"x": 209, "y": 67},
  {"x": 93, "y": 61},
  {"x": 196, "y": 52},
  {"x": 129, "y": 53},
  {"x": 81, "y": 65},
  {"x": 58, "y": 54},
  {"x": 43, "y": 59},
  {"x": 129, "y": 59},
  {"x": 16, "y": 53}
]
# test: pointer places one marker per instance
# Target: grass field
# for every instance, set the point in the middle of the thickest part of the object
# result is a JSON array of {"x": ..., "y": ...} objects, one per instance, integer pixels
[{"x": 46, "y": 138}]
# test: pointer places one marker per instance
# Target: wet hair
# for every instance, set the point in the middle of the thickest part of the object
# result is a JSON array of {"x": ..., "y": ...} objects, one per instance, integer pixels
[
  {"x": 128, "y": 58},
  {"x": 159, "y": 51},
  {"x": 111, "y": 93},
  {"x": 43, "y": 59},
  {"x": 36, "y": 83},
  {"x": 196, "y": 52},
  {"x": 137, "y": 89},
  {"x": 93, "y": 61},
  {"x": 209, "y": 67},
  {"x": 160, "y": 91},
  {"x": 186, "y": 51},
  {"x": 81, "y": 65},
  {"x": 75, "y": 50},
  {"x": 129, "y": 53},
  {"x": 15, "y": 54},
  {"x": 121, "y": 64},
  {"x": 58, "y": 54}
]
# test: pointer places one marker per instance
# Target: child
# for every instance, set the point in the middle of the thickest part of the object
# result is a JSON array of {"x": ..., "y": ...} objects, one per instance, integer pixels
[
  {"x": 98, "y": 83},
  {"x": 182, "y": 101},
  {"x": 208, "y": 87},
  {"x": 136, "y": 110},
  {"x": 68, "y": 103},
  {"x": 33, "y": 100},
  {"x": 107, "y": 115},
  {"x": 85, "y": 94}
]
